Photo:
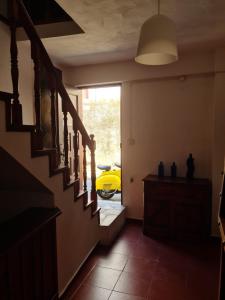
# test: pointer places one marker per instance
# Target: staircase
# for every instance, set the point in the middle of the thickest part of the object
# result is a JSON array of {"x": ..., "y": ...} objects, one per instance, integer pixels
[{"x": 78, "y": 225}]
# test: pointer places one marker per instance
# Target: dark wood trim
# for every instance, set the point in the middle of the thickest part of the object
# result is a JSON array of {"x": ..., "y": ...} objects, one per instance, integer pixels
[
  {"x": 51, "y": 70},
  {"x": 76, "y": 149},
  {"x": 66, "y": 140},
  {"x": 53, "y": 117},
  {"x": 16, "y": 106},
  {"x": 6, "y": 96},
  {"x": 4, "y": 20},
  {"x": 84, "y": 167},
  {"x": 93, "y": 173},
  {"x": 97, "y": 85},
  {"x": 134, "y": 221},
  {"x": 37, "y": 85}
]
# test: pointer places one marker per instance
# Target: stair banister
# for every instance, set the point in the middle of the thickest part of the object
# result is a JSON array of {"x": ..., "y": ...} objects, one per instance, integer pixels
[
  {"x": 40, "y": 55},
  {"x": 93, "y": 171},
  {"x": 34, "y": 38},
  {"x": 16, "y": 106}
]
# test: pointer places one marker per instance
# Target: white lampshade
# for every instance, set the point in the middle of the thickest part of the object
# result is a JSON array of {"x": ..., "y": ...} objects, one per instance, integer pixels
[{"x": 157, "y": 43}]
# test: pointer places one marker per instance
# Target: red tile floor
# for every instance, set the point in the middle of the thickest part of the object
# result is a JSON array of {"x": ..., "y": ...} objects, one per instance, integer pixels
[{"x": 137, "y": 267}]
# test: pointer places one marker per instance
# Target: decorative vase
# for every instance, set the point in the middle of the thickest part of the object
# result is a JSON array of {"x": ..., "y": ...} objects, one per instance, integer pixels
[
  {"x": 190, "y": 166},
  {"x": 173, "y": 169},
  {"x": 161, "y": 169}
]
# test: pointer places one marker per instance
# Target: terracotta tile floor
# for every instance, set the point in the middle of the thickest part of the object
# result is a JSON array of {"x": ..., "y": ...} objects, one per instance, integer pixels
[{"x": 137, "y": 267}]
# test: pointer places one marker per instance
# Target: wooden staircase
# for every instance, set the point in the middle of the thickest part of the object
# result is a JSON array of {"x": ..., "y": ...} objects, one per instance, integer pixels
[
  {"x": 14, "y": 120},
  {"x": 81, "y": 141}
]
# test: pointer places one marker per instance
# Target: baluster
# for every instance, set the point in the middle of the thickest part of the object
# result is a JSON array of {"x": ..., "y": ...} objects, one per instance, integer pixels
[
  {"x": 57, "y": 116},
  {"x": 76, "y": 150},
  {"x": 53, "y": 116},
  {"x": 66, "y": 144},
  {"x": 37, "y": 94},
  {"x": 57, "y": 130},
  {"x": 93, "y": 171},
  {"x": 16, "y": 106},
  {"x": 37, "y": 97},
  {"x": 76, "y": 159},
  {"x": 84, "y": 166}
]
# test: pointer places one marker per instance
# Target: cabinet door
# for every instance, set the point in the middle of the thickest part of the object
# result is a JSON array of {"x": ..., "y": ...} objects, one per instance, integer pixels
[
  {"x": 189, "y": 220},
  {"x": 157, "y": 218}
]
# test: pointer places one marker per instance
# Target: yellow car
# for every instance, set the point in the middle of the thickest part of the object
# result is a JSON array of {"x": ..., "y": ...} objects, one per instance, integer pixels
[{"x": 109, "y": 181}]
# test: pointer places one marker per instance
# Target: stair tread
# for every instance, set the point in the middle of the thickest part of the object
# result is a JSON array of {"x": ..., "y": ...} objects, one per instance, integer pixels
[
  {"x": 69, "y": 184},
  {"x": 81, "y": 194},
  {"x": 59, "y": 170},
  {"x": 5, "y": 96},
  {"x": 43, "y": 152},
  {"x": 89, "y": 203},
  {"x": 22, "y": 128},
  {"x": 96, "y": 211}
]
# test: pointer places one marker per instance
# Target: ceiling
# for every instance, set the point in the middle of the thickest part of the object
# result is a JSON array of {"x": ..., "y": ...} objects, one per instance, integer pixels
[{"x": 112, "y": 28}]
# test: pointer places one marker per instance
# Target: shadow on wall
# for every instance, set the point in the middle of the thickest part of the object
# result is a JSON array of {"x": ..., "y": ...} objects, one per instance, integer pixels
[{"x": 19, "y": 189}]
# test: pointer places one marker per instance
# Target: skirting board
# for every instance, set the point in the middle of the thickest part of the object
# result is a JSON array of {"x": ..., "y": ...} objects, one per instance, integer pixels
[{"x": 72, "y": 278}]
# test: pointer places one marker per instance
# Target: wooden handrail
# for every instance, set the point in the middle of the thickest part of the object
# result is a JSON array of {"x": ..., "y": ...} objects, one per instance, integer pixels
[
  {"x": 6, "y": 96},
  {"x": 4, "y": 20},
  {"x": 34, "y": 38}
]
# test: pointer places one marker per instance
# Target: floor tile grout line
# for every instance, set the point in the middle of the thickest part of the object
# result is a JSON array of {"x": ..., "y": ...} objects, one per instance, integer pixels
[
  {"x": 119, "y": 275},
  {"x": 83, "y": 280},
  {"x": 110, "y": 294},
  {"x": 150, "y": 285}
]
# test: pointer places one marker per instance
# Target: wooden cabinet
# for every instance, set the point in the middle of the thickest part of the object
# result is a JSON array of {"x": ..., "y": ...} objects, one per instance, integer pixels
[
  {"x": 28, "y": 261},
  {"x": 176, "y": 207}
]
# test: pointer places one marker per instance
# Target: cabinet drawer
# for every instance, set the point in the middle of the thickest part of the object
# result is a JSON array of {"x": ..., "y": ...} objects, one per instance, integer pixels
[
  {"x": 177, "y": 208},
  {"x": 157, "y": 213},
  {"x": 157, "y": 191},
  {"x": 160, "y": 191}
]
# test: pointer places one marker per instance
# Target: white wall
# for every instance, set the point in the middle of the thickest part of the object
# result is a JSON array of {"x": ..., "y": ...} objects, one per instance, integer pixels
[
  {"x": 165, "y": 118},
  {"x": 129, "y": 70}
]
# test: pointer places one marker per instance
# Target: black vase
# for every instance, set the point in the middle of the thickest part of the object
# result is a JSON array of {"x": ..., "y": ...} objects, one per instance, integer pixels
[
  {"x": 190, "y": 167},
  {"x": 161, "y": 169},
  {"x": 173, "y": 169}
]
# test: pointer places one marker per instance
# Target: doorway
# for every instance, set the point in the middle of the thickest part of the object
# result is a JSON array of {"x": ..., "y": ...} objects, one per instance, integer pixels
[{"x": 102, "y": 117}]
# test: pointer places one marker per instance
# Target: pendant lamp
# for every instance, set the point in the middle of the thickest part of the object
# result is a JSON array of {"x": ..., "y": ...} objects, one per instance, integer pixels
[{"x": 157, "y": 43}]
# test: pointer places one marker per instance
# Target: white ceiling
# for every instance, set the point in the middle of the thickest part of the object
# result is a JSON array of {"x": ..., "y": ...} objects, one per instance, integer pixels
[{"x": 112, "y": 28}]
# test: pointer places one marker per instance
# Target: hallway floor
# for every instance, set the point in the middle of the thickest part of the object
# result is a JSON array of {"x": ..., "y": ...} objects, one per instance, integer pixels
[{"x": 137, "y": 267}]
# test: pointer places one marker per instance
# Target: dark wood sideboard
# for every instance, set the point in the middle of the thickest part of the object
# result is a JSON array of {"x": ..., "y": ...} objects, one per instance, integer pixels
[
  {"x": 177, "y": 208},
  {"x": 28, "y": 261}
]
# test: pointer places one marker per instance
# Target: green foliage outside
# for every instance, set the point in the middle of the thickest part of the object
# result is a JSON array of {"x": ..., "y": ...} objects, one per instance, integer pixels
[{"x": 101, "y": 116}]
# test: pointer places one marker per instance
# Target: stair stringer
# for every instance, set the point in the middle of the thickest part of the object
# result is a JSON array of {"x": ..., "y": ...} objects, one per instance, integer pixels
[
  {"x": 77, "y": 231},
  {"x": 2, "y": 117}
]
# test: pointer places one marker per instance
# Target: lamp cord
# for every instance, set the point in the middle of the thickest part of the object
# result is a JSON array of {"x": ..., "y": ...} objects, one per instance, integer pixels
[{"x": 158, "y": 7}]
